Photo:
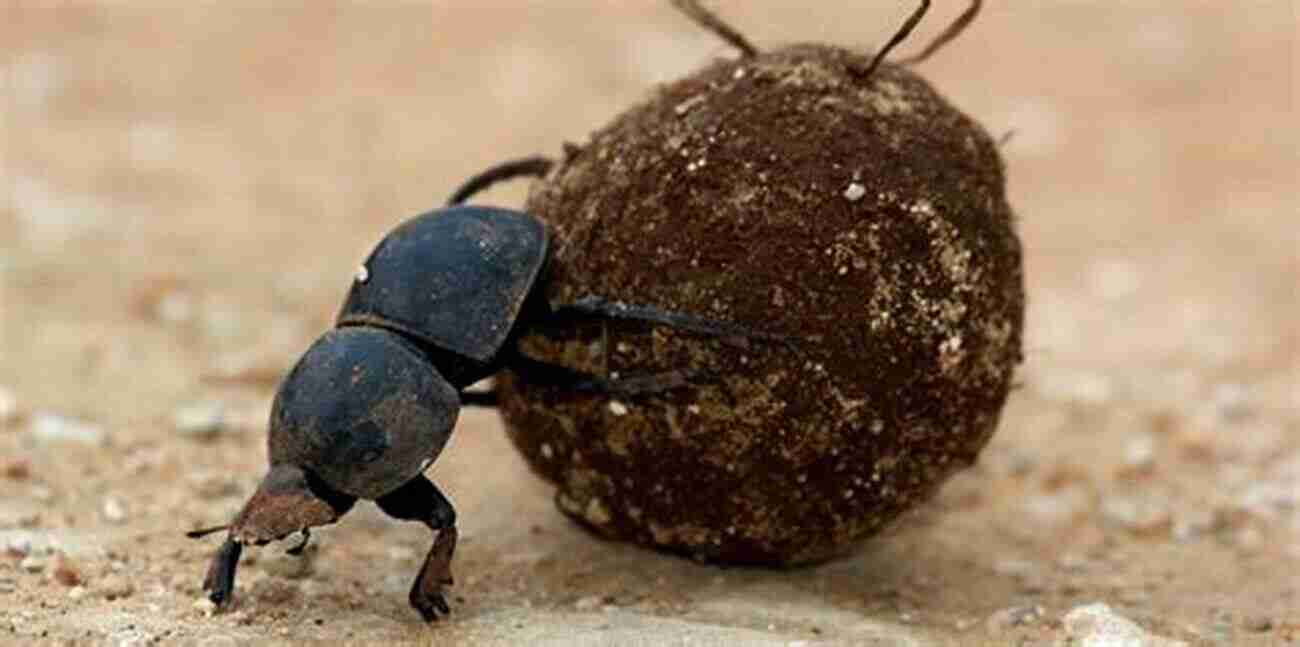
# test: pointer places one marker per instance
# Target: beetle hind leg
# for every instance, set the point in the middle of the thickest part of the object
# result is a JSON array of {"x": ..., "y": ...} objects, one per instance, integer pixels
[{"x": 420, "y": 500}]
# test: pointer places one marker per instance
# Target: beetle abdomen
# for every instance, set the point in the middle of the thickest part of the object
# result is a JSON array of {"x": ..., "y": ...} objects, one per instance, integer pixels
[{"x": 455, "y": 278}]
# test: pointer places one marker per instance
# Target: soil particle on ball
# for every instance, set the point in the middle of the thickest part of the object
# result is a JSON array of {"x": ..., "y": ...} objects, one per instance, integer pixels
[{"x": 862, "y": 216}]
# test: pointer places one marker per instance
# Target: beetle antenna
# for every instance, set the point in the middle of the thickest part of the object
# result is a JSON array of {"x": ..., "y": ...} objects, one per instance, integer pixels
[
  {"x": 900, "y": 36},
  {"x": 536, "y": 166},
  {"x": 204, "y": 532},
  {"x": 954, "y": 30},
  {"x": 710, "y": 21}
]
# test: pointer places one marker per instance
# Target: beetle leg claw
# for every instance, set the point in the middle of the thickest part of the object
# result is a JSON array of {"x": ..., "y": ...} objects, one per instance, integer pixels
[
  {"x": 428, "y": 590},
  {"x": 297, "y": 550}
]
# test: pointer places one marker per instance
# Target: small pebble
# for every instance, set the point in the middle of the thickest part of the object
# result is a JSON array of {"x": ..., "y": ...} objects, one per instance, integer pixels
[
  {"x": 854, "y": 192},
  {"x": 113, "y": 511},
  {"x": 1191, "y": 524},
  {"x": 1013, "y": 567},
  {"x": 1096, "y": 625},
  {"x": 18, "y": 470},
  {"x": 588, "y": 603},
  {"x": 1231, "y": 403},
  {"x": 32, "y": 564},
  {"x": 115, "y": 587},
  {"x": 77, "y": 592},
  {"x": 1141, "y": 515},
  {"x": 1258, "y": 624},
  {"x": 176, "y": 306},
  {"x": 20, "y": 546},
  {"x": 52, "y": 427},
  {"x": 7, "y": 585},
  {"x": 1140, "y": 452},
  {"x": 1000, "y": 621},
  {"x": 8, "y": 405},
  {"x": 202, "y": 420},
  {"x": 205, "y": 606},
  {"x": 617, "y": 408}
]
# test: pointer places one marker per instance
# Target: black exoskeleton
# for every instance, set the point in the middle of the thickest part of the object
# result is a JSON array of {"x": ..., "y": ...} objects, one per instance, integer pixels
[{"x": 436, "y": 307}]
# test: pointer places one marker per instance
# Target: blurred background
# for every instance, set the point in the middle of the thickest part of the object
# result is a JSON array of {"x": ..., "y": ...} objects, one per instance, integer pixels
[{"x": 185, "y": 192}]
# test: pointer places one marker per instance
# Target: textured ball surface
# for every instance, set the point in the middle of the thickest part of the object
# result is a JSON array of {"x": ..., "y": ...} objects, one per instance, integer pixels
[{"x": 865, "y": 218}]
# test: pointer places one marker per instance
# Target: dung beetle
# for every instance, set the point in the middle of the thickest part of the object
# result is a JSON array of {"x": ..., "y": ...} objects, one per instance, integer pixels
[{"x": 437, "y": 306}]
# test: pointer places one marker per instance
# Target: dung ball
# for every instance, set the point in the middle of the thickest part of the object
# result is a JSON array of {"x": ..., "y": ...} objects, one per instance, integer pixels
[{"x": 863, "y": 219}]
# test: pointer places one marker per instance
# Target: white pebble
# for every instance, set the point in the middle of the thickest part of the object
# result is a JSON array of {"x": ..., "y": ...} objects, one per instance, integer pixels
[
  {"x": 1140, "y": 451},
  {"x": 175, "y": 307},
  {"x": 200, "y": 420},
  {"x": 113, "y": 511},
  {"x": 52, "y": 427},
  {"x": 617, "y": 408},
  {"x": 854, "y": 192},
  {"x": 1096, "y": 625},
  {"x": 8, "y": 405},
  {"x": 20, "y": 545}
]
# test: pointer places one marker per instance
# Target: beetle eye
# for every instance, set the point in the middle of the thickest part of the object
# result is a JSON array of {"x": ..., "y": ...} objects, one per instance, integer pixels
[{"x": 370, "y": 456}]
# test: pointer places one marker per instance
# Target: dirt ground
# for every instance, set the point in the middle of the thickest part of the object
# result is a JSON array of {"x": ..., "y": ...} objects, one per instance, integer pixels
[{"x": 186, "y": 194}]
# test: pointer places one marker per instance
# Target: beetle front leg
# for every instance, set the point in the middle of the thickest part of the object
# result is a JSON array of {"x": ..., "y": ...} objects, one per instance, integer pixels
[
  {"x": 220, "y": 580},
  {"x": 420, "y": 500}
]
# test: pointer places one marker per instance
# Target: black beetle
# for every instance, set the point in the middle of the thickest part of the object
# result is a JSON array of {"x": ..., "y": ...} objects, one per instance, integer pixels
[{"x": 436, "y": 307}]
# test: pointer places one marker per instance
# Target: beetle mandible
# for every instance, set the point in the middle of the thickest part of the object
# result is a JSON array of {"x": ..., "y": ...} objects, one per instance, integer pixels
[{"x": 437, "y": 306}]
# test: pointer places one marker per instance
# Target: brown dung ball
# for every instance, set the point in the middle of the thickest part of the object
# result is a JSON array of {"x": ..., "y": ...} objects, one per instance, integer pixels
[{"x": 863, "y": 217}]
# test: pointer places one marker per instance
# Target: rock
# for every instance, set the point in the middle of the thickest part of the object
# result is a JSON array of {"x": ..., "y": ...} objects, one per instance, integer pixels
[
  {"x": 8, "y": 406},
  {"x": 53, "y": 427},
  {"x": 1001, "y": 621},
  {"x": 204, "y": 606},
  {"x": 17, "y": 470},
  {"x": 854, "y": 192},
  {"x": 129, "y": 638},
  {"x": 115, "y": 586},
  {"x": 201, "y": 420},
  {"x": 1140, "y": 453},
  {"x": 1096, "y": 625},
  {"x": 1057, "y": 508},
  {"x": 19, "y": 546},
  {"x": 1257, "y": 623},
  {"x": 32, "y": 564},
  {"x": 113, "y": 511},
  {"x": 1144, "y": 515}
]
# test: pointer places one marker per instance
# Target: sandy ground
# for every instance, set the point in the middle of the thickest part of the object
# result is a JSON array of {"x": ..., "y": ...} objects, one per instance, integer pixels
[{"x": 185, "y": 196}]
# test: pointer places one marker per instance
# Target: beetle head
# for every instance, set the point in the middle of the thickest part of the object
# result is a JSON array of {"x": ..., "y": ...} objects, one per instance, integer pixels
[{"x": 363, "y": 411}]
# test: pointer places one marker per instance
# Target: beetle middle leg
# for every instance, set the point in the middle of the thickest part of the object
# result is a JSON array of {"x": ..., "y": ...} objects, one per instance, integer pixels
[
  {"x": 581, "y": 382},
  {"x": 596, "y": 307},
  {"x": 420, "y": 500}
]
